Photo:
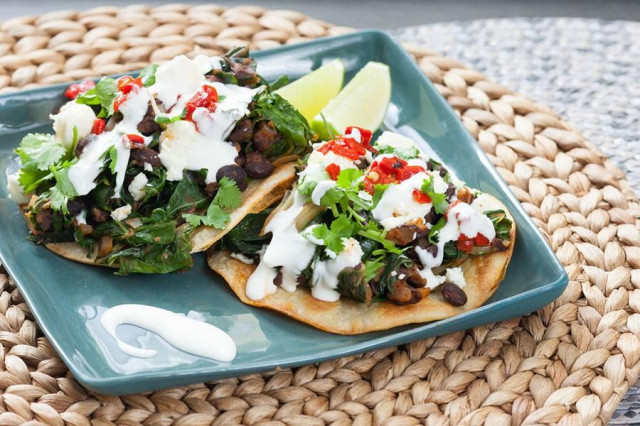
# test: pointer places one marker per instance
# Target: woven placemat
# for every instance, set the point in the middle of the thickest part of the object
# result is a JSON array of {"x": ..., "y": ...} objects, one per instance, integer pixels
[{"x": 570, "y": 363}]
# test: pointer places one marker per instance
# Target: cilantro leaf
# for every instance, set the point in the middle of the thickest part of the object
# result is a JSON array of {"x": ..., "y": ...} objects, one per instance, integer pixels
[
  {"x": 438, "y": 200},
  {"x": 348, "y": 178},
  {"x": 372, "y": 267},
  {"x": 102, "y": 94},
  {"x": 148, "y": 75},
  {"x": 113, "y": 159},
  {"x": 407, "y": 153},
  {"x": 62, "y": 190},
  {"x": 435, "y": 230},
  {"x": 228, "y": 195},
  {"x": 378, "y": 190},
  {"x": 341, "y": 227},
  {"x": 40, "y": 151},
  {"x": 161, "y": 119},
  {"x": 215, "y": 217}
]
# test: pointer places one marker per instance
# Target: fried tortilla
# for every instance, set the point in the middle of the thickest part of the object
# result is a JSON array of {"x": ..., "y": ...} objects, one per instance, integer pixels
[
  {"x": 259, "y": 195},
  {"x": 483, "y": 274}
]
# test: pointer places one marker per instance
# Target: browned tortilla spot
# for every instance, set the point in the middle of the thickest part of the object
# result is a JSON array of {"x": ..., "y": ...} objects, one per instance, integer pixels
[
  {"x": 346, "y": 316},
  {"x": 259, "y": 195}
]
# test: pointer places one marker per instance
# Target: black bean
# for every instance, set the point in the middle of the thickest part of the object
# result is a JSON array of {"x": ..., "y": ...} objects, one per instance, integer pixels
[
  {"x": 442, "y": 171},
  {"x": 432, "y": 217},
  {"x": 83, "y": 142},
  {"x": 278, "y": 279},
  {"x": 242, "y": 132},
  {"x": 257, "y": 166},
  {"x": 453, "y": 294},
  {"x": 498, "y": 244},
  {"x": 451, "y": 191},
  {"x": 264, "y": 136},
  {"x": 212, "y": 188},
  {"x": 148, "y": 125},
  {"x": 44, "y": 218},
  {"x": 99, "y": 215},
  {"x": 75, "y": 207},
  {"x": 143, "y": 154},
  {"x": 235, "y": 173}
]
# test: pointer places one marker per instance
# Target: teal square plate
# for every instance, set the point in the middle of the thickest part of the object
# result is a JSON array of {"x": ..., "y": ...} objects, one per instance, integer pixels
[{"x": 68, "y": 298}]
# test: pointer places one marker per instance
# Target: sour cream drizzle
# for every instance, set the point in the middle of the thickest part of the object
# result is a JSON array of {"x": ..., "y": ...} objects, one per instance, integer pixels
[
  {"x": 184, "y": 145},
  {"x": 83, "y": 174},
  {"x": 186, "y": 334}
]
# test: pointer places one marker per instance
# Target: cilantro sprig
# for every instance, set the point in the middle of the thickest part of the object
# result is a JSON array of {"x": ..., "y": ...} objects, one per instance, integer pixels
[
  {"x": 228, "y": 197},
  {"x": 102, "y": 94},
  {"x": 438, "y": 199}
]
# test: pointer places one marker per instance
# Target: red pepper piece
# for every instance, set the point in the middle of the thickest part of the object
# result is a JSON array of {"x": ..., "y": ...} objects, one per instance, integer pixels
[
  {"x": 126, "y": 83},
  {"x": 365, "y": 135},
  {"x": 333, "y": 170},
  {"x": 98, "y": 126},
  {"x": 75, "y": 89},
  {"x": 464, "y": 243},
  {"x": 117, "y": 102},
  {"x": 421, "y": 197},
  {"x": 408, "y": 171},
  {"x": 134, "y": 139},
  {"x": 392, "y": 165},
  {"x": 481, "y": 240},
  {"x": 204, "y": 98}
]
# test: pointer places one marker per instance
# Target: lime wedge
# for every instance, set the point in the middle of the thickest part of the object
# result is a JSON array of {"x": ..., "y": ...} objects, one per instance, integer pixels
[
  {"x": 363, "y": 102},
  {"x": 311, "y": 93}
]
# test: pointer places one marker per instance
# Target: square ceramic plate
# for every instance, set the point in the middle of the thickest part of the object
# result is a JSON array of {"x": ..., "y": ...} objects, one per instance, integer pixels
[{"x": 68, "y": 298}]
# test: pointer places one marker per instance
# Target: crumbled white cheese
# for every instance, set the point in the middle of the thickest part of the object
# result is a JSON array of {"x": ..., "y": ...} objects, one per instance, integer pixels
[
  {"x": 208, "y": 63},
  {"x": 148, "y": 167},
  {"x": 15, "y": 190},
  {"x": 72, "y": 115},
  {"x": 179, "y": 76},
  {"x": 121, "y": 213},
  {"x": 137, "y": 186},
  {"x": 433, "y": 280},
  {"x": 455, "y": 276}
]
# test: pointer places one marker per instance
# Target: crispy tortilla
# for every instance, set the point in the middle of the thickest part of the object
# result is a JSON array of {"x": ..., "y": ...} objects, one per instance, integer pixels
[
  {"x": 259, "y": 195},
  {"x": 482, "y": 274}
]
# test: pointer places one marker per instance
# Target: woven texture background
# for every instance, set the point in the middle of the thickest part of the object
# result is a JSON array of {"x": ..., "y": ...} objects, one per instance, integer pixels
[{"x": 569, "y": 363}]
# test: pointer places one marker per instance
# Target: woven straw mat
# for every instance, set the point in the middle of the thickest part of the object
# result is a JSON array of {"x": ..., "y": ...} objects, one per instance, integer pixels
[{"x": 570, "y": 363}]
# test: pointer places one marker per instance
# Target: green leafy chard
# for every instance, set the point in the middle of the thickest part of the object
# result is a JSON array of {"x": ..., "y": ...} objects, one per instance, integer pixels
[
  {"x": 245, "y": 237},
  {"x": 293, "y": 127},
  {"x": 501, "y": 223}
]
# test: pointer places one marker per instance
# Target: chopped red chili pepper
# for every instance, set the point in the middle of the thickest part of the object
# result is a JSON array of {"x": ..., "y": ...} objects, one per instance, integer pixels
[
  {"x": 134, "y": 139},
  {"x": 344, "y": 146},
  {"x": 75, "y": 89},
  {"x": 98, "y": 126},
  {"x": 126, "y": 83},
  {"x": 118, "y": 101},
  {"x": 389, "y": 170},
  {"x": 204, "y": 98},
  {"x": 481, "y": 240},
  {"x": 464, "y": 244},
  {"x": 421, "y": 197},
  {"x": 365, "y": 135},
  {"x": 334, "y": 170}
]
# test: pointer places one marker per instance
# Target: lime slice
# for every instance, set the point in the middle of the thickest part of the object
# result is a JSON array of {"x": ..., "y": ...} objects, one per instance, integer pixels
[
  {"x": 311, "y": 93},
  {"x": 363, "y": 102}
]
